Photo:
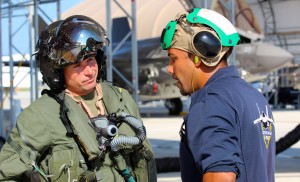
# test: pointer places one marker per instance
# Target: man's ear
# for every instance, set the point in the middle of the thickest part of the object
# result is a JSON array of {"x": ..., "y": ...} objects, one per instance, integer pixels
[{"x": 197, "y": 61}]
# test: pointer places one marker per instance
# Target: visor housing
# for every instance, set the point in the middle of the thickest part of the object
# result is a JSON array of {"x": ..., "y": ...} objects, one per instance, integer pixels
[{"x": 77, "y": 40}]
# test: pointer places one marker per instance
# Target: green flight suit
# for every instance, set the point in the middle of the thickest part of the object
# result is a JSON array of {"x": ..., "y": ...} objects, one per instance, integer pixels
[{"x": 40, "y": 137}]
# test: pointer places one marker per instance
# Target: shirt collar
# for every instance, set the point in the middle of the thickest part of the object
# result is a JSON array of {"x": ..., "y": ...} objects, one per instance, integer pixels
[
  {"x": 226, "y": 72},
  {"x": 229, "y": 71}
]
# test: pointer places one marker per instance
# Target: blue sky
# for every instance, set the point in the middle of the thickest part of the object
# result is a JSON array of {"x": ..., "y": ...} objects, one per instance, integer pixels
[{"x": 20, "y": 26}]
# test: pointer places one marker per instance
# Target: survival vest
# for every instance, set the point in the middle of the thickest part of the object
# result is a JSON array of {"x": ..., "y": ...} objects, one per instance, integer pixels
[{"x": 140, "y": 159}]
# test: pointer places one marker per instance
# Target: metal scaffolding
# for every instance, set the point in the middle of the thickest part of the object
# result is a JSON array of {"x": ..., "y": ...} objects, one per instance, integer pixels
[
  {"x": 30, "y": 11},
  {"x": 33, "y": 13},
  {"x": 134, "y": 50},
  {"x": 278, "y": 39}
]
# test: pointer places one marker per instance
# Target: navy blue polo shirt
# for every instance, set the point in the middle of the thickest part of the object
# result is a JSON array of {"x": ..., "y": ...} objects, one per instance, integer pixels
[{"x": 229, "y": 128}]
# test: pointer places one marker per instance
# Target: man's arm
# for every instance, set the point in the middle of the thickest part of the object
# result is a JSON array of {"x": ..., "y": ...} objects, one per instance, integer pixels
[
  {"x": 22, "y": 147},
  {"x": 219, "y": 176},
  {"x": 213, "y": 139},
  {"x": 13, "y": 164}
]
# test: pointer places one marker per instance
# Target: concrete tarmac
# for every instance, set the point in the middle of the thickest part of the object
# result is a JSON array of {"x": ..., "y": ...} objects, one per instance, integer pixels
[{"x": 162, "y": 130}]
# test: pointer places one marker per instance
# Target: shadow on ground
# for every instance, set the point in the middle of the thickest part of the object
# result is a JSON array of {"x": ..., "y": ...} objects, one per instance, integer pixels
[{"x": 288, "y": 161}]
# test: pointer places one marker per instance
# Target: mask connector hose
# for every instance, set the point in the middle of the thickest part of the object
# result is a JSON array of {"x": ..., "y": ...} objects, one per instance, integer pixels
[{"x": 137, "y": 126}]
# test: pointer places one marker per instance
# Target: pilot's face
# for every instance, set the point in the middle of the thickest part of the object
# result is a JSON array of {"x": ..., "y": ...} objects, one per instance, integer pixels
[
  {"x": 181, "y": 68},
  {"x": 81, "y": 78}
]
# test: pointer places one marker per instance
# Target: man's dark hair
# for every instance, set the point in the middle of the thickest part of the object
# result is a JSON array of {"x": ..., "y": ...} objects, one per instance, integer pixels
[{"x": 227, "y": 54}]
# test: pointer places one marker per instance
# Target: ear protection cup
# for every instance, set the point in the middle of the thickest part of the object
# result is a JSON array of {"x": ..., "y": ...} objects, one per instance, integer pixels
[
  {"x": 207, "y": 44},
  {"x": 196, "y": 60}
]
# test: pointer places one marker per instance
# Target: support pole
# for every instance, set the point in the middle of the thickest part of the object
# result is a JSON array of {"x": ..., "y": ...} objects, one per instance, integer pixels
[
  {"x": 231, "y": 10},
  {"x": 109, "y": 48},
  {"x": 1, "y": 80},
  {"x": 36, "y": 35},
  {"x": 11, "y": 68},
  {"x": 135, "y": 79}
]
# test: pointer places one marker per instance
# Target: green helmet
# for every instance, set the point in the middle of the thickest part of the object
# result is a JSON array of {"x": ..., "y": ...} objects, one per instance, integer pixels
[{"x": 202, "y": 32}]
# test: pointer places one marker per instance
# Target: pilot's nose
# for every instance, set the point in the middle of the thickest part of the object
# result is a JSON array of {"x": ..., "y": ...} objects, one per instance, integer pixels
[{"x": 88, "y": 70}]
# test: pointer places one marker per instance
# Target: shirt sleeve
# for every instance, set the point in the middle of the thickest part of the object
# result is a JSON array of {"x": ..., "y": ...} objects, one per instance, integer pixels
[
  {"x": 213, "y": 137},
  {"x": 23, "y": 146}
]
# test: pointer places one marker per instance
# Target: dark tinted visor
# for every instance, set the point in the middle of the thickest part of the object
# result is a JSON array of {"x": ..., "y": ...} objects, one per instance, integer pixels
[{"x": 78, "y": 40}]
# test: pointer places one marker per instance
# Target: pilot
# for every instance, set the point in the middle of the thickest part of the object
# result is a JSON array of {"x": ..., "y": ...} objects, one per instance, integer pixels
[
  {"x": 219, "y": 139},
  {"x": 82, "y": 128}
]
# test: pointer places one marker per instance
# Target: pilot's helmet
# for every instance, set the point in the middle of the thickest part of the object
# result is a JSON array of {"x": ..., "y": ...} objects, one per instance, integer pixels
[{"x": 67, "y": 42}]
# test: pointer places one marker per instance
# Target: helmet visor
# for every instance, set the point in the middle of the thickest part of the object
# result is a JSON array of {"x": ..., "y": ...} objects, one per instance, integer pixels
[{"x": 77, "y": 40}]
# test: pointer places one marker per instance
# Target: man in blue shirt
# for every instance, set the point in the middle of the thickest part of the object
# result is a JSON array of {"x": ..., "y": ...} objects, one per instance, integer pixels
[{"x": 229, "y": 133}]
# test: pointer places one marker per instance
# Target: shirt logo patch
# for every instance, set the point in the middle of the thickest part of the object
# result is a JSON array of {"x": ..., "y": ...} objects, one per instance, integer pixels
[{"x": 266, "y": 125}]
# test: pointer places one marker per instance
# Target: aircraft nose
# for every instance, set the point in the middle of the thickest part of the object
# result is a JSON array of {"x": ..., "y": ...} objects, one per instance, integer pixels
[{"x": 260, "y": 57}]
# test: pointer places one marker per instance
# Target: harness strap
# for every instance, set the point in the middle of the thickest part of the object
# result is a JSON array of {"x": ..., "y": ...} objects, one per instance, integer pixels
[
  {"x": 60, "y": 98},
  {"x": 62, "y": 111}
]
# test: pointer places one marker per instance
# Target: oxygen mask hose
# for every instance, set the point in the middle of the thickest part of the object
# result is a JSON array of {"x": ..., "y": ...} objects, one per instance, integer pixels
[
  {"x": 137, "y": 126},
  {"x": 116, "y": 143},
  {"x": 107, "y": 135}
]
